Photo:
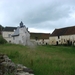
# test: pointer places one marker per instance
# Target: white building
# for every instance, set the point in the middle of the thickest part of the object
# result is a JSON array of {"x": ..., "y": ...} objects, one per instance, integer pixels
[
  {"x": 63, "y": 36},
  {"x": 40, "y": 38},
  {"x": 7, "y": 32},
  {"x": 21, "y": 35}
]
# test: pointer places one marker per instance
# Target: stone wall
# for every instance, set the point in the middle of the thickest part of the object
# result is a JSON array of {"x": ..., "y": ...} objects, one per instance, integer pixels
[{"x": 7, "y": 67}]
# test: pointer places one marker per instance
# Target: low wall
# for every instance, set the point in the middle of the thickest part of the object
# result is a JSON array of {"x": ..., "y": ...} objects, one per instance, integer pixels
[{"x": 7, "y": 67}]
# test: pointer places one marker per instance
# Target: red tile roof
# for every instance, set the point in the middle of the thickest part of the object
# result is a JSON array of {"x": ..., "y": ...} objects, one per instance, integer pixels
[
  {"x": 33, "y": 35},
  {"x": 64, "y": 31},
  {"x": 39, "y": 35}
]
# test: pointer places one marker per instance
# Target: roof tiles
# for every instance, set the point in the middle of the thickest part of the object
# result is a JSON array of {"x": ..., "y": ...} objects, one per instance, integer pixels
[{"x": 64, "y": 31}]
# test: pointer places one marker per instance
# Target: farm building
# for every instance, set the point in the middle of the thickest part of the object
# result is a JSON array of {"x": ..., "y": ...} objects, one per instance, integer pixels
[
  {"x": 40, "y": 38},
  {"x": 63, "y": 36},
  {"x": 21, "y": 34},
  {"x": 7, "y": 33}
]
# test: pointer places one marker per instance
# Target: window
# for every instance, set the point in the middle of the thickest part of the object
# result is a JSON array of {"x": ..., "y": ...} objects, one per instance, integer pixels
[
  {"x": 9, "y": 35},
  {"x": 56, "y": 42},
  {"x": 13, "y": 38},
  {"x": 58, "y": 37},
  {"x": 59, "y": 41},
  {"x": 42, "y": 40},
  {"x": 9, "y": 41},
  {"x": 36, "y": 38},
  {"x": 64, "y": 40}
]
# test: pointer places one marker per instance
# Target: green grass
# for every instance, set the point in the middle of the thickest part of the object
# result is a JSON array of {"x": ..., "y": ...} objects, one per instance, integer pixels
[{"x": 43, "y": 60}]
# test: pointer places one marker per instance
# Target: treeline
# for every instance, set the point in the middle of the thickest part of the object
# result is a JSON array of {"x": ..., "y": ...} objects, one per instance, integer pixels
[
  {"x": 1, "y": 27},
  {"x": 2, "y": 40}
]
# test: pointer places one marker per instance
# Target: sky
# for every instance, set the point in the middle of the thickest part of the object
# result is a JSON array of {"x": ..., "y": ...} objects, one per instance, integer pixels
[{"x": 38, "y": 15}]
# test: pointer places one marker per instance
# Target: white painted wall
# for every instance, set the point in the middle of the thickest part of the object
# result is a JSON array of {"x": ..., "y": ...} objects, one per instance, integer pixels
[
  {"x": 68, "y": 37},
  {"x": 40, "y": 41},
  {"x": 23, "y": 38},
  {"x": 52, "y": 40},
  {"x": 62, "y": 40},
  {"x": 7, "y": 36}
]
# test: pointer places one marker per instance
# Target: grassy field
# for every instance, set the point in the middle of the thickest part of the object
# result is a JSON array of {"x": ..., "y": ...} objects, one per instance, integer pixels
[{"x": 43, "y": 60}]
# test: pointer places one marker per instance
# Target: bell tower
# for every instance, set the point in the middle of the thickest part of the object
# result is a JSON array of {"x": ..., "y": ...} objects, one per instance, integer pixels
[{"x": 21, "y": 24}]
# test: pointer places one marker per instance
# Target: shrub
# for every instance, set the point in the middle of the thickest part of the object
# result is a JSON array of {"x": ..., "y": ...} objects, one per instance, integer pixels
[{"x": 2, "y": 40}]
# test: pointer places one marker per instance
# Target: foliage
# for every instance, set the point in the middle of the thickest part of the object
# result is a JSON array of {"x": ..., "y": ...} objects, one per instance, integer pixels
[
  {"x": 2, "y": 40},
  {"x": 1, "y": 27},
  {"x": 43, "y": 60}
]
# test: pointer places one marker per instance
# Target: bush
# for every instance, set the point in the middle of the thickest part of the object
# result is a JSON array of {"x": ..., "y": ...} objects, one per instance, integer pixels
[{"x": 2, "y": 40}]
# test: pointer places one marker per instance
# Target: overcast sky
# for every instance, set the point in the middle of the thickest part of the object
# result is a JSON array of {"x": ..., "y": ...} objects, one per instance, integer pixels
[{"x": 38, "y": 15}]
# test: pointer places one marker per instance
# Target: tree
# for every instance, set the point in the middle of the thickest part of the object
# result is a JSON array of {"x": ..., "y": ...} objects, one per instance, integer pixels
[
  {"x": 1, "y": 28},
  {"x": 2, "y": 40}
]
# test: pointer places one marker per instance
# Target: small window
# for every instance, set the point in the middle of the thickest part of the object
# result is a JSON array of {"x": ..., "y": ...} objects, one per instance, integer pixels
[
  {"x": 59, "y": 41},
  {"x": 58, "y": 37},
  {"x": 43, "y": 40},
  {"x": 64, "y": 40},
  {"x": 46, "y": 43},
  {"x": 9, "y": 35},
  {"x": 9, "y": 41},
  {"x": 36, "y": 38},
  {"x": 56, "y": 42},
  {"x": 13, "y": 38}
]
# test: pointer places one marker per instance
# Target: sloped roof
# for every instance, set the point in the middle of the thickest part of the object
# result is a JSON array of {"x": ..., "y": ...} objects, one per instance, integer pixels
[
  {"x": 32, "y": 34},
  {"x": 9, "y": 28},
  {"x": 39, "y": 35},
  {"x": 16, "y": 32},
  {"x": 64, "y": 31}
]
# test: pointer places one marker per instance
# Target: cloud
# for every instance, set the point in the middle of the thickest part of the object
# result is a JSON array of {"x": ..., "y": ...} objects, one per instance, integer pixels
[
  {"x": 47, "y": 13},
  {"x": 42, "y": 15}
]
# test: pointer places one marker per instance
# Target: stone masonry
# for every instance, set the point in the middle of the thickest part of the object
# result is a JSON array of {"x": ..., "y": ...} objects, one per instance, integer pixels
[{"x": 7, "y": 67}]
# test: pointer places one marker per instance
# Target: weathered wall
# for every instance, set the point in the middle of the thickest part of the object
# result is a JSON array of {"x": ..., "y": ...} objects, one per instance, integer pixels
[
  {"x": 52, "y": 40},
  {"x": 68, "y": 37},
  {"x": 40, "y": 41},
  {"x": 61, "y": 40},
  {"x": 23, "y": 38},
  {"x": 7, "y": 36},
  {"x": 7, "y": 67}
]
